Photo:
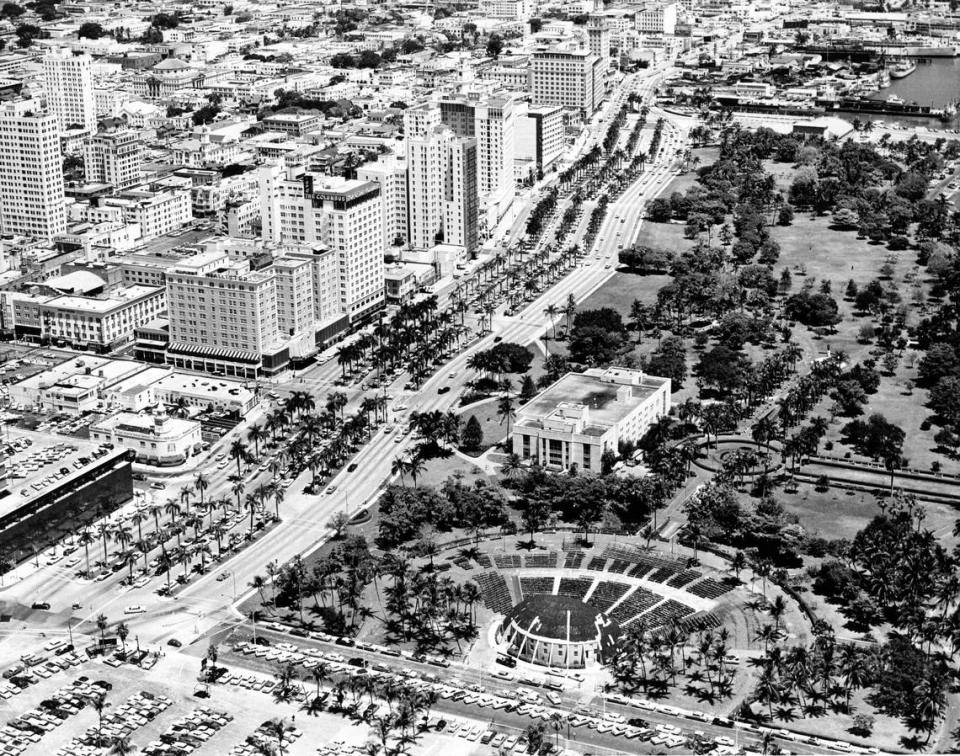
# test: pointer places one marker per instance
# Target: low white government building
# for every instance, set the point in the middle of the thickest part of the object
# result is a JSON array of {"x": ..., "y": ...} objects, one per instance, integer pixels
[{"x": 575, "y": 419}]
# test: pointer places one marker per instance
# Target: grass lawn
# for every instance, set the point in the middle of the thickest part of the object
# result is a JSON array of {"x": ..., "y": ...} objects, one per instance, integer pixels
[
  {"x": 621, "y": 289},
  {"x": 441, "y": 468},
  {"x": 486, "y": 412},
  {"x": 829, "y": 514}
]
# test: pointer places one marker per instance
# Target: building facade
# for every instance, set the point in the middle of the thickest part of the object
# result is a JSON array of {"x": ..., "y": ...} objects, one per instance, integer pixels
[
  {"x": 68, "y": 85},
  {"x": 32, "y": 200},
  {"x": 582, "y": 415},
  {"x": 155, "y": 439},
  {"x": 571, "y": 79},
  {"x": 113, "y": 155}
]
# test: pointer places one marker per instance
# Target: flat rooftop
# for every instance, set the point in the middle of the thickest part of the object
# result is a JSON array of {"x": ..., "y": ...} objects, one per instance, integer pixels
[
  {"x": 599, "y": 395},
  {"x": 36, "y": 469}
]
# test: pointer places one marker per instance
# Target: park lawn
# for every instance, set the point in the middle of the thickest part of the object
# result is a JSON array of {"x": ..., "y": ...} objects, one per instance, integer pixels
[
  {"x": 486, "y": 412},
  {"x": 621, "y": 289},
  {"x": 829, "y": 514},
  {"x": 666, "y": 235},
  {"x": 440, "y": 468}
]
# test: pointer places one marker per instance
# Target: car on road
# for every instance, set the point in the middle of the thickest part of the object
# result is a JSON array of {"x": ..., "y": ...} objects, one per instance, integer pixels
[
  {"x": 352, "y": 467},
  {"x": 158, "y": 484},
  {"x": 43, "y": 605},
  {"x": 174, "y": 642},
  {"x": 443, "y": 390},
  {"x": 134, "y": 609},
  {"x": 139, "y": 476},
  {"x": 331, "y": 489}
]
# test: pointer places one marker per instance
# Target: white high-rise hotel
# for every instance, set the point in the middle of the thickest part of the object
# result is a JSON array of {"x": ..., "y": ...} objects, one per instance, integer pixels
[
  {"x": 68, "y": 84},
  {"x": 32, "y": 201},
  {"x": 300, "y": 208}
]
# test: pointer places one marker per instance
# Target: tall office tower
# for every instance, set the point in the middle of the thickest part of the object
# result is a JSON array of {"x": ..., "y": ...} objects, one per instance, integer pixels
[
  {"x": 495, "y": 127},
  {"x": 345, "y": 215},
  {"x": 598, "y": 36},
  {"x": 426, "y": 165},
  {"x": 390, "y": 174},
  {"x": 572, "y": 79},
  {"x": 68, "y": 82},
  {"x": 441, "y": 182},
  {"x": 113, "y": 155},
  {"x": 492, "y": 120},
  {"x": 32, "y": 201},
  {"x": 460, "y": 204}
]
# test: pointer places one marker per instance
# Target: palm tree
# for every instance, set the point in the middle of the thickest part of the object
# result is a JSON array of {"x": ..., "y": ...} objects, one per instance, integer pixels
[
  {"x": 201, "y": 484},
  {"x": 255, "y": 435},
  {"x": 399, "y": 466},
  {"x": 238, "y": 451},
  {"x": 551, "y": 311},
  {"x": 99, "y": 703},
  {"x": 506, "y": 411},
  {"x": 85, "y": 538},
  {"x": 122, "y": 747},
  {"x": 415, "y": 466}
]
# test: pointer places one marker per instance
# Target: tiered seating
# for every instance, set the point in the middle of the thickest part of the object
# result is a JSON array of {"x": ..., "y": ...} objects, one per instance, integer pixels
[
  {"x": 541, "y": 560},
  {"x": 508, "y": 561},
  {"x": 699, "y": 622},
  {"x": 667, "y": 612},
  {"x": 534, "y": 585},
  {"x": 606, "y": 594},
  {"x": 597, "y": 563},
  {"x": 682, "y": 578},
  {"x": 663, "y": 572},
  {"x": 708, "y": 588},
  {"x": 189, "y": 733},
  {"x": 496, "y": 595},
  {"x": 636, "y": 603},
  {"x": 484, "y": 560},
  {"x": 573, "y": 559},
  {"x": 619, "y": 565},
  {"x": 576, "y": 587}
]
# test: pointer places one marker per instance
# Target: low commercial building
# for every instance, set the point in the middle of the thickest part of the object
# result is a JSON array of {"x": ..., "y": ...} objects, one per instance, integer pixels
[
  {"x": 179, "y": 389},
  {"x": 155, "y": 439},
  {"x": 99, "y": 324},
  {"x": 576, "y": 419}
]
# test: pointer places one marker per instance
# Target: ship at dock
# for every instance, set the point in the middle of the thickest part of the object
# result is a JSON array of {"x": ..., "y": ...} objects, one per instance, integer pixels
[{"x": 902, "y": 69}]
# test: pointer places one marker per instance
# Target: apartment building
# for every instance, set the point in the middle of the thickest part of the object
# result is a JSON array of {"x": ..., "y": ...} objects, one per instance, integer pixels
[
  {"x": 68, "y": 85},
  {"x": 571, "y": 79},
  {"x": 113, "y": 155},
  {"x": 32, "y": 201},
  {"x": 295, "y": 311}
]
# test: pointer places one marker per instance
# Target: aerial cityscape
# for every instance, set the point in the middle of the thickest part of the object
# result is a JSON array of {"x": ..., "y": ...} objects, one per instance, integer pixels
[{"x": 475, "y": 377}]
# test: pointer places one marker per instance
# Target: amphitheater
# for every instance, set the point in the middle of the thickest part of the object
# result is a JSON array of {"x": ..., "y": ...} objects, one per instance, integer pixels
[{"x": 624, "y": 584}]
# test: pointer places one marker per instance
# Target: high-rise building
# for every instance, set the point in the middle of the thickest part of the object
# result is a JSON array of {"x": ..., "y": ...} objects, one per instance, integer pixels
[
  {"x": 495, "y": 127},
  {"x": 658, "y": 19},
  {"x": 390, "y": 174},
  {"x": 32, "y": 201},
  {"x": 442, "y": 182},
  {"x": 113, "y": 155},
  {"x": 68, "y": 83},
  {"x": 492, "y": 121},
  {"x": 598, "y": 36},
  {"x": 299, "y": 207},
  {"x": 572, "y": 79},
  {"x": 540, "y": 135},
  {"x": 460, "y": 205},
  {"x": 223, "y": 317}
]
